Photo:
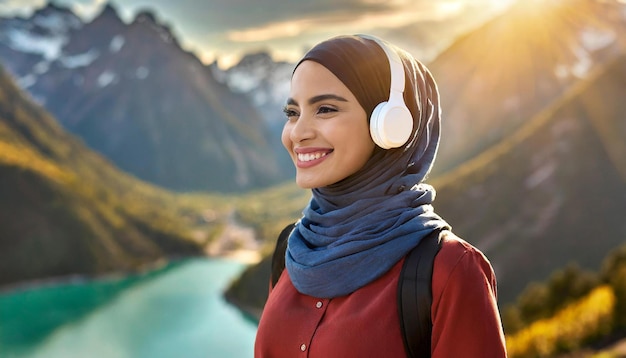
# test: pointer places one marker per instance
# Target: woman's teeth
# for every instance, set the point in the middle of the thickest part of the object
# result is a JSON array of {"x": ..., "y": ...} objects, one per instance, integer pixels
[{"x": 307, "y": 157}]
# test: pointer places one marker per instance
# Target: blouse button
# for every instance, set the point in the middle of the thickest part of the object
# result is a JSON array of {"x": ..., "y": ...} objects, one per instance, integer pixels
[
  {"x": 303, "y": 347},
  {"x": 319, "y": 304}
]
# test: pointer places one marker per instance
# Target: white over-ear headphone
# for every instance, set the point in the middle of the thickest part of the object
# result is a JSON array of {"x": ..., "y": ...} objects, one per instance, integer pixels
[{"x": 391, "y": 122}]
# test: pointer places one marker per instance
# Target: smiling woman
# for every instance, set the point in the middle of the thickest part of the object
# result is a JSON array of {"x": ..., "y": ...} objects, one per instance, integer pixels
[{"x": 362, "y": 131}]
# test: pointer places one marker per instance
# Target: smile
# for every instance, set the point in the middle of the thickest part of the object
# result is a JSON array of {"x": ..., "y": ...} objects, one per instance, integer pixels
[{"x": 307, "y": 157}]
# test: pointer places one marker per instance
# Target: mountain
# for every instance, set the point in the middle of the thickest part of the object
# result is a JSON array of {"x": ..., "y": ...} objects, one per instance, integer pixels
[
  {"x": 552, "y": 193},
  {"x": 265, "y": 83},
  {"x": 494, "y": 78},
  {"x": 29, "y": 44},
  {"x": 134, "y": 95},
  {"x": 426, "y": 37},
  {"x": 65, "y": 210}
]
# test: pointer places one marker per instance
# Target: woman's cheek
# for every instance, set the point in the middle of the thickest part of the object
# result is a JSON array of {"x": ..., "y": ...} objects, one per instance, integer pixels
[{"x": 285, "y": 137}]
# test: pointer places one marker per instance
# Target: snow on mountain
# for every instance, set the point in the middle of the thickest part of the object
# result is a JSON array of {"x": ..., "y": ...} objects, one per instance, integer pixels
[
  {"x": 80, "y": 60},
  {"x": 265, "y": 83},
  {"x": 263, "y": 80},
  {"x": 44, "y": 33},
  {"x": 117, "y": 43},
  {"x": 47, "y": 46},
  {"x": 32, "y": 44}
]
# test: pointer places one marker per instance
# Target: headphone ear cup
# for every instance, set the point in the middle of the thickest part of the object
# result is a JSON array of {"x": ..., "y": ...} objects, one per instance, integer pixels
[
  {"x": 375, "y": 125},
  {"x": 390, "y": 125}
]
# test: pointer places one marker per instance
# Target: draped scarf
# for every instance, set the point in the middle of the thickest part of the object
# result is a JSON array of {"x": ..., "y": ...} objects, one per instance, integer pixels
[{"x": 355, "y": 230}]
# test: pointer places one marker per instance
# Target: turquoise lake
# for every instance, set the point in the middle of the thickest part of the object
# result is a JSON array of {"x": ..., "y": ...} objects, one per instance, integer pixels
[{"x": 177, "y": 311}]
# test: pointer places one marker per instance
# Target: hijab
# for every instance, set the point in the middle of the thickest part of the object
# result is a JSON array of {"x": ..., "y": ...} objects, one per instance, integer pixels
[{"x": 355, "y": 230}]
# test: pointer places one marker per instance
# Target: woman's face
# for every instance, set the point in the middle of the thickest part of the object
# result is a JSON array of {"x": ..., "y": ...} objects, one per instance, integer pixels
[{"x": 326, "y": 133}]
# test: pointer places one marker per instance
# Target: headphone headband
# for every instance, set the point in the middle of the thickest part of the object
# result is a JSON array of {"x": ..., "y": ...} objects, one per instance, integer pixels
[{"x": 395, "y": 65}]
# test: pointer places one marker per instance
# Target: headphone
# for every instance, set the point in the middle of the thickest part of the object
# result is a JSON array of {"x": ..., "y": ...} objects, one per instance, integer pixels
[{"x": 391, "y": 122}]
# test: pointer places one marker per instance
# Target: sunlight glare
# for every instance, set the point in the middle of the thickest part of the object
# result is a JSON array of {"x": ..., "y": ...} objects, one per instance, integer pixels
[{"x": 450, "y": 7}]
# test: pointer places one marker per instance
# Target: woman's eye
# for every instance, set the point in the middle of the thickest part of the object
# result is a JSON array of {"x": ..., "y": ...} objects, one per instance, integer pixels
[
  {"x": 290, "y": 113},
  {"x": 326, "y": 109}
]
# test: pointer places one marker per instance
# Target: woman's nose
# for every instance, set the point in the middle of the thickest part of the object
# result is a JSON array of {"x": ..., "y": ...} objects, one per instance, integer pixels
[{"x": 302, "y": 129}]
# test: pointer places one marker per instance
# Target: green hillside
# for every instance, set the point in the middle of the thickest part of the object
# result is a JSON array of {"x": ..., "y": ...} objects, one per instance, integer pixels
[{"x": 64, "y": 210}]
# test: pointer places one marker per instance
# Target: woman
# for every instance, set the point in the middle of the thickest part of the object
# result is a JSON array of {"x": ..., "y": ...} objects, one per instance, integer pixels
[{"x": 369, "y": 208}]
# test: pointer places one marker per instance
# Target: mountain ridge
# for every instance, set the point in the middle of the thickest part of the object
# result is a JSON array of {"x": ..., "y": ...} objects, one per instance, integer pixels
[
  {"x": 545, "y": 194},
  {"x": 495, "y": 77},
  {"x": 134, "y": 95}
]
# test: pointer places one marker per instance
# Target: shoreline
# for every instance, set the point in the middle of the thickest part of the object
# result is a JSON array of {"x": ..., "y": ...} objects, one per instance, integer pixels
[
  {"x": 78, "y": 278},
  {"x": 250, "y": 312},
  {"x": 246, "y": 257}
]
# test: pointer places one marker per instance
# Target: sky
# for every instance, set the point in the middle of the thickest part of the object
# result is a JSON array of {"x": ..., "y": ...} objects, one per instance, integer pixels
[{"x": 224, "y": 30}]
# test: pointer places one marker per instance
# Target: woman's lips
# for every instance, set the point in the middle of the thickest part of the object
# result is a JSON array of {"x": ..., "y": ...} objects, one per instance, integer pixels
[{"x": 308, "y": 157}]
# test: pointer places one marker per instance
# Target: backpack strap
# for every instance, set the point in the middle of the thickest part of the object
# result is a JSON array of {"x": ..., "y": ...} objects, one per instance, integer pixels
[
  {"x": 278, "y": 258},
  {"x": 415, "y": 295}
]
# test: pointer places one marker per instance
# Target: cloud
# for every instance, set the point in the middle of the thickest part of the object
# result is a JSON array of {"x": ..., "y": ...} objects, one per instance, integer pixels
[
  {"x": 83, "y": 8},
  {"x": 235, "y": 26},
  {"x": 289, "y": 38},
  {"x": 20, "y": 7},
  {"x": 269, "y": 32},
  {"x": 396, "y": 14},
  {"x": 86, "y": 8},
  {"x": 241, "y": 15}
]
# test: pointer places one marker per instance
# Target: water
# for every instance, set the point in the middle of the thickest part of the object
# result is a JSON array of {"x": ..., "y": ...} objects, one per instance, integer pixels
[{"x": 174, "y": 312}]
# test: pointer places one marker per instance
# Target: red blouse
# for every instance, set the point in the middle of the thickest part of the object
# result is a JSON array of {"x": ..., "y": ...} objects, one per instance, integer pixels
[{"x": 466, "y": 321}]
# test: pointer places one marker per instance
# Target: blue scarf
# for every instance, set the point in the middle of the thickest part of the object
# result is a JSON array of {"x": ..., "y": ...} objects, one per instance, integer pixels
[
  {"x": 354, "y": 231},
  {"x": 331, "y": 255}
]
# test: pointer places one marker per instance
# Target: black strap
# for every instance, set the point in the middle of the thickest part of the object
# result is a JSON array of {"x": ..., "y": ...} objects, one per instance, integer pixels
[
  {"x": 415, "y": 295},
  {"x": 278, "y": 258}
]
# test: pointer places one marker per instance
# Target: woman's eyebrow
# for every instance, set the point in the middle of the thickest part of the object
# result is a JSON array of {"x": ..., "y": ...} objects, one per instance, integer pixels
[
  {"x": 325, "y": 97},
  {"x": 319, "y": 98}
]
